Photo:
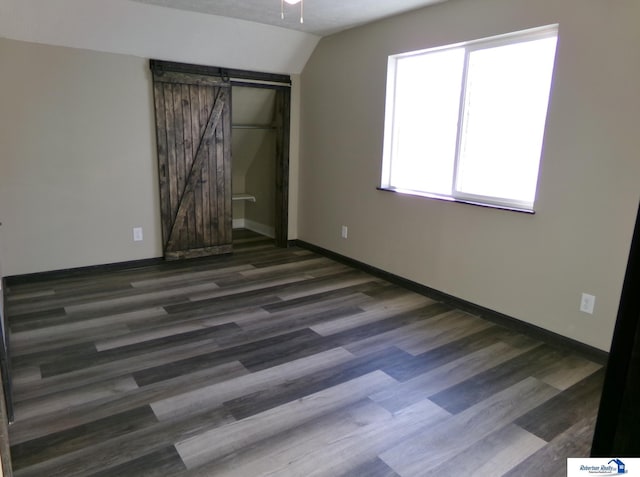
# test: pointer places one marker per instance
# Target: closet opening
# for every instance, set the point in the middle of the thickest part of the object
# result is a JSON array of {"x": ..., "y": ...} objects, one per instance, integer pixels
[{"x": 256, "y": 163}]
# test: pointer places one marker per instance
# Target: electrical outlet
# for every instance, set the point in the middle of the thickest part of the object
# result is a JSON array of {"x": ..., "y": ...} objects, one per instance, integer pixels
[
  {"x": 587, "y": 302},
  {"x": 137, "y": 234},
  {"x": 345, "y": 232}
]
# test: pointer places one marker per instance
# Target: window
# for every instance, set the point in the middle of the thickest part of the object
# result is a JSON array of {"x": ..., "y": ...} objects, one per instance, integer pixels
[{"x": 466, "y": 122}]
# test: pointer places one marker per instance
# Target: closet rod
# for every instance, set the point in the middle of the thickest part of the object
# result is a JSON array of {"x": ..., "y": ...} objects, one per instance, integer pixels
[{"x": 252, "y": 126}]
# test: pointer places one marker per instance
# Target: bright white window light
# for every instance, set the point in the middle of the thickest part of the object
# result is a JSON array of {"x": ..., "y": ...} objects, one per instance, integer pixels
[
  {"x": 426, "y": 160},
  {"x": 467, "y": 122}
]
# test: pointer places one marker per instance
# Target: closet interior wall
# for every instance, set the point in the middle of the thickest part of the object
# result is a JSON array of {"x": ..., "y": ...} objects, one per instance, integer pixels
[{"x": 253, "y": 152}]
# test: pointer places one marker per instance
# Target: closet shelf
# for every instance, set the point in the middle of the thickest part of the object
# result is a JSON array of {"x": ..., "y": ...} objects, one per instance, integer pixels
[{"x": 249, "y": 197}]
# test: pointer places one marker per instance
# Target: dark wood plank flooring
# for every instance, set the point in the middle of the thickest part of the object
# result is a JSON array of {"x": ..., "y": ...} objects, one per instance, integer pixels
[{"x": 281, "y": 362}]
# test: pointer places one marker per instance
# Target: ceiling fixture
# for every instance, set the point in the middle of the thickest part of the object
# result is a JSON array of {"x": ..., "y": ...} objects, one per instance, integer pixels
[{"x": 292, "y": 2}]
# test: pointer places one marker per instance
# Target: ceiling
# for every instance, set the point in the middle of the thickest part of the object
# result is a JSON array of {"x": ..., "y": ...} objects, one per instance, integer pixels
[{"x": 321, "y": 17}]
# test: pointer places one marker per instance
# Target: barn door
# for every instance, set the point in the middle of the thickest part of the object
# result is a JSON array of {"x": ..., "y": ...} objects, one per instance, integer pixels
[{"x": 193, "y": 130}]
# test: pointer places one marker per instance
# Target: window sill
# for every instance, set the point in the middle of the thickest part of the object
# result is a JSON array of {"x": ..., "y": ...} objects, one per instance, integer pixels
[{"x": 459, "y": 201}]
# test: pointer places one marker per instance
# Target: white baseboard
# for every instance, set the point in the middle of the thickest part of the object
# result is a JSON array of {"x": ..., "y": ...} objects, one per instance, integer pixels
[
  {"x": 257, "y": 227},
  {"x": 260, "y": 228}
]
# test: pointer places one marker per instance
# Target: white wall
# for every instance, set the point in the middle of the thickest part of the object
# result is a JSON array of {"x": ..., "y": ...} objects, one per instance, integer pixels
[
  {"x": 149, "y": 31},
  {"x": 532, "y": 267}
]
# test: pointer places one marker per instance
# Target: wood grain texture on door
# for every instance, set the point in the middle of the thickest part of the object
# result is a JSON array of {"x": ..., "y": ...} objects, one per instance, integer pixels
[{"x": 193, "y": 127}]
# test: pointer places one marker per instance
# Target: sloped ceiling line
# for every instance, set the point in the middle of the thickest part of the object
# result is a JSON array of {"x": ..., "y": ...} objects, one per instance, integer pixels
[
  {"x": 321, "y": 17},
  {"x": 150, "y": 31},
  {"x": 247, "y": 34}
]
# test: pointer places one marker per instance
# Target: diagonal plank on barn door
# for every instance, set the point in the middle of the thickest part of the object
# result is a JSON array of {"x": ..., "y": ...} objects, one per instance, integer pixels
[{"x": 195, "y": 173}]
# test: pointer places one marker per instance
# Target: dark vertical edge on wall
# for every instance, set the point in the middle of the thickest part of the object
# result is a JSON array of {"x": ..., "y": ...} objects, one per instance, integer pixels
[
  {"x": 5, "y": 363},
  {"x": 6, "y": 393},
  {"x": 5, "y": 358},
  {"x": 5, "y": 450},
  {"x": 283, "y": 124},
  {"x": 617, "y": 431}
]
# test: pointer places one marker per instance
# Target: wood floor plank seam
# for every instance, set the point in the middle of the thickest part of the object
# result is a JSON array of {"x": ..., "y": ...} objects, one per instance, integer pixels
[
  {"x": 280, "y": 362},
  {"x": 45, "y": 423}
]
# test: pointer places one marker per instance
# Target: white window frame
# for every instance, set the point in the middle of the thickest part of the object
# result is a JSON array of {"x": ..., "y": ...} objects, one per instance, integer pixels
[{"x": 548, "y": 31}]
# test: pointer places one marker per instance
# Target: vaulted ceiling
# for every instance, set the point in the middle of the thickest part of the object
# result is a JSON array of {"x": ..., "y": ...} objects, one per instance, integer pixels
[
  {"x": 242, "y": 34},
  {"x": 321, "y": 17}
]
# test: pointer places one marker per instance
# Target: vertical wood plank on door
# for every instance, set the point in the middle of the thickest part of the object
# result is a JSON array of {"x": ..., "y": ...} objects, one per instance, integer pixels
[
  {"x": 211, "y": 215},
  {"x": 207, "y": 208},
  {"x": 185, "y": 238},
  {"x": 197, "y": 218},
  {"x": 163, "y": 166},
  {"x": 208, "y": 204},
  {"x": 173, "y": 192},
  {"x": 227, "y": 215},
  {"x": 218, "y": 184},
  {"x": 198, "y": 121},
  {"x": 207, "y": 96},
  {"x": 198, "y": 117},
  {"x": 216, "y": 189},
  {"x": 188, "y": 139}
]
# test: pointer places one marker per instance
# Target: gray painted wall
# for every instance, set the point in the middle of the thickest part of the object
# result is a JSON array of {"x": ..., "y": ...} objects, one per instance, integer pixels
[
  {"x": 532, "y": 267},
  {"x": 78, "y": 168}
]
